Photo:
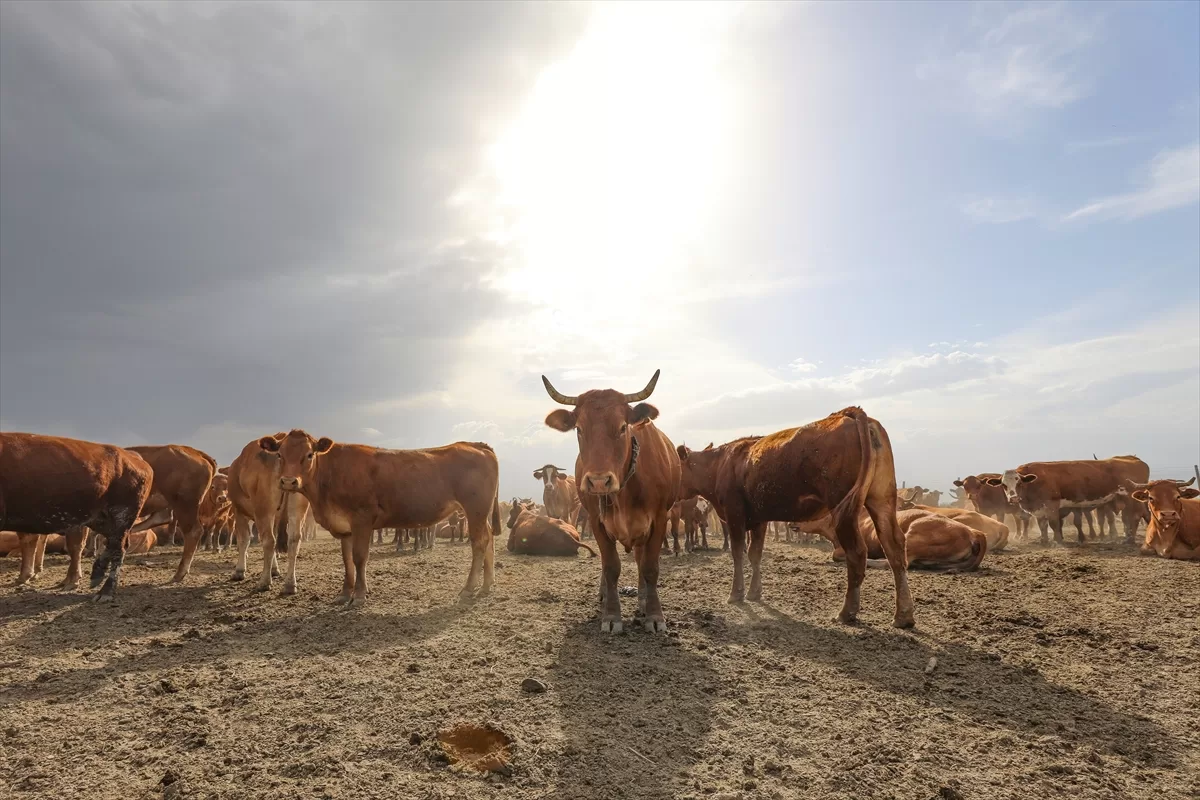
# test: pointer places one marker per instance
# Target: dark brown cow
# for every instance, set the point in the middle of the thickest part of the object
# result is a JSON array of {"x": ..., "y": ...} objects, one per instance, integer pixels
[
  {"x": 1174, "y": 528},
  {"x": 354, "y": 489},
  {"x": 182, "y": 476},
  {"x": 51, "y": 483},
  {"x": 628, "y": 478},
  {"x": 833, "y": 466},
  {"x": 559, "y": 494},
  {"x": 278, "y": 517},
  {"x": 1046, "y": 488},
  {"x": 993, "y": 500},
  {"x": 532, "y": 535}
]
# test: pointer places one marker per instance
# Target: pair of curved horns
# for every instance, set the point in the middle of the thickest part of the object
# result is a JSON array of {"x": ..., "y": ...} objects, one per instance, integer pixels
[
  {"x": 1181, "y": 484},
  {"x": 568, "y": 400}
]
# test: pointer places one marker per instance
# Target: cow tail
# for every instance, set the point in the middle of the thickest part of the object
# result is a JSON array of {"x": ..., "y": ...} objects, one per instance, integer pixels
[
  {"x": 588, "y": 548},
  {"x": 496, "y": 515},
  {"x": 854, "y": 499}
]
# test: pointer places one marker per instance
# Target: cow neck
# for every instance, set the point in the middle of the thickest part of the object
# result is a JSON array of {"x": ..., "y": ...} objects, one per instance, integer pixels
[{"x": 634, "y": 449}]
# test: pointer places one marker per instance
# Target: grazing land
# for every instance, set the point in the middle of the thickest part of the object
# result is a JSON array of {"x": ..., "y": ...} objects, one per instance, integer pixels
[{"x": 1058, "y": 671}]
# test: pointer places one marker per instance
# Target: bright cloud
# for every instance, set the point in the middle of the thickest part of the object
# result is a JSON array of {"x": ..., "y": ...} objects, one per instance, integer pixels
[{"x": 1172, "y": 180}]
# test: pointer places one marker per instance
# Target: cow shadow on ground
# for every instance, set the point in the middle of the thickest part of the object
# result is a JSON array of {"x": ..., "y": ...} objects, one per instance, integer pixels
[
  {"x": 636, "y": 699},
  {"x": 967, "y": 681}
]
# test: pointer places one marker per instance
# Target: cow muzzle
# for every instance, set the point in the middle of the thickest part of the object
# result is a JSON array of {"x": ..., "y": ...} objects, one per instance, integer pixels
[
  {"x": 601, "y": 483},
  {"x": 289, "y": 484}
]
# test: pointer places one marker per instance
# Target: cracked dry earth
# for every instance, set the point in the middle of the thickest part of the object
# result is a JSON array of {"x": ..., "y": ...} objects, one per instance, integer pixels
[{"x": 1059, "y": 671}]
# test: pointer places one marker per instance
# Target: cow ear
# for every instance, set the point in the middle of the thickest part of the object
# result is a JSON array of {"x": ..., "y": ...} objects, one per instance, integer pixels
[
  {"x": 561, "y": 420},
  {"x": 537, "y": 474},
  {"x": 642, "y": 412},
  {"x": 1028, "y": 478},
  {"x": 1141, "y": 496},
  {"x": 994, "y": 482},
  {"x": 1189, "y": 493},
  {"x": 683, "y": 452},
  {"x": 323, "y": 445},
  {"x": 958, "y": 483},
  {"x": 269, "y": 443}
]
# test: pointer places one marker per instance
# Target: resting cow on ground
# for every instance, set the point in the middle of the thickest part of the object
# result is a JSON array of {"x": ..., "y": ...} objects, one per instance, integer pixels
[
  {"x": 832, "y": 466},
  {"x": 993, "y": 501},
  {"x": 996, "y": 532},
  {"x": 354, "y": 489},
  {"x": 182, "y": 476},
  {"x": 1046, "y": 488},
  {"x": 51, "y": 483},
  {"x": 1174, "y": 529},
  {"x": 932, "y": 541},
  {"x": 255, "y": 492},
  {"x": 628, "y": 477},
  {"x": 532, "y": 535}
]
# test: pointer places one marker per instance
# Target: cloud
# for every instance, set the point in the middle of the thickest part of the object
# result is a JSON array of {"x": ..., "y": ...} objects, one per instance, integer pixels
[
  {"x": 1000, "y": 210},
  {"x": 1103, "y": 143},
  {"x": 1011, "y": 61},
  {"x": 800, "y": 365},
  {"x": 1172, "y": 180}
]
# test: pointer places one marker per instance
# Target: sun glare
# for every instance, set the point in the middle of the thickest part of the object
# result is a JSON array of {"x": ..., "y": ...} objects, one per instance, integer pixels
[{"x": 608, "y": 173}]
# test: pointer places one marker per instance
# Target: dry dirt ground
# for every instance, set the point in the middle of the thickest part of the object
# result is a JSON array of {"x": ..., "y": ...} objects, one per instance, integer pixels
[{"x": 1059, "y": 671}]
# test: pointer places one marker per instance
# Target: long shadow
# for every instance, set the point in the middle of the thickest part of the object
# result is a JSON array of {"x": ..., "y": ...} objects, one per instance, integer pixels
[
  {"x": 237, "y": 634},
  {"x": 636, "y": 700},
  {"x": 967, "y": 681}
]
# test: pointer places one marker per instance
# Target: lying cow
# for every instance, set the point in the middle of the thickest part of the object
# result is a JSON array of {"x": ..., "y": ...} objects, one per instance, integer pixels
[
  {"x": 932, "y": 541},
  {"x": 533, "y": 535},
  {"x": 996, "y": 532},
  {"x": 1174, "y": 529}
]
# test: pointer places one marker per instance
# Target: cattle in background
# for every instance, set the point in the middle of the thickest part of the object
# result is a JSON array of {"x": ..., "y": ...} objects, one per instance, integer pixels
[
  {"x": 992, "y": 500},
  {"x": 559, "y": 494},
  {"x": 932, "y": 540},
  {"x": 995, "y": 531},
  {"x": 354, "y": 489},
  {"x": 628, "y": 478},
  {"x": 911, "y": 494},
  {"x": 690, "y": 513},
  {"x": 51, "y": 483},
  {"x": 933, "y": 497},
  {"x": 532, "y": 535},
  {"x": 182, "y": 477},
  {"x": 1046, "y": 488},
  {"x": 757, "y": 479},
  {"x": 1132, "y": 512},
  {"x": 1174, "y": 527},
  {"x": 256, "y": 495},
  {"x": 214, "y": 511}
]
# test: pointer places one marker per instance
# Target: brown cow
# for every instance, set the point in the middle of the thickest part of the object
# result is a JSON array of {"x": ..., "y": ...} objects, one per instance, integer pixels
[
  {"x": 33, "y": 548},
  {"x": 354, "y": 489},
  {"x": 139, "y": 542},
  {"x": 1046, "y": 488},
  {"x": 214, "y": 511},
  {"x": 993, "y": 500},
  {"x": 51, "y": 483},
  {"x": 1132, "y": 512},
  {"x": 832, "y": 466},
  {"x": 532, "y": 535},
  {"x": 559, "y": 494},
  {"x": 932, "y": 541},
  {"x": 996, "y": 532},
  {"x": 1174, "y": 528},
  {"x": 256, "y": 495},
  {"x": 628, "y": 477},
  {"x": 182, "y": 477}
]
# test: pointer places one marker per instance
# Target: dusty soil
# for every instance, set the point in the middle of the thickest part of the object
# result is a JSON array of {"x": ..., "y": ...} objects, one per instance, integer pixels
[{"x": 1059, "y": 671}]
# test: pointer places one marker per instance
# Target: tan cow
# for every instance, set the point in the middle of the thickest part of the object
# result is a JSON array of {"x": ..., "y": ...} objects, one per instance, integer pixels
[
  {"x": 256, "y": 495},
  {"x": 182, "y": 477},
  {"x": 559, "y": 494},
  {"x": 354, "y": 489},
  {"x": 530, "y": 534},
  {"x": 932, "y": 541},
  {"x": 991, "y": 500},
  {"x": 1174, "y": 529},
  {"x": 52, "y": 483},
  {"x": 996, "y": 532}
]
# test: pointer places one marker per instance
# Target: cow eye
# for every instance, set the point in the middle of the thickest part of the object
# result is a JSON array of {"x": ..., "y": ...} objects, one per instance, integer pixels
[
  {"x": 309, "y": 457},
  {"x": 624, "y": 427}
]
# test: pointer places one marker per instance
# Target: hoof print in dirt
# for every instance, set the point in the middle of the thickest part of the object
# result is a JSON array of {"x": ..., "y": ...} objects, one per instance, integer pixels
[
  {"x": 483, "y": 748},
  {"x": 532, "y": 686}
]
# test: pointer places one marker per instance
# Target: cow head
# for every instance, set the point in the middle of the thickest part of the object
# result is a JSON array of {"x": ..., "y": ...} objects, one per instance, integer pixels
[
  {"x": 519, "y": 506},
  {"x": 973, "y": 486},
  {"x": 606, "y": 425},
  {"x": 1165, "y": 498},
  {"x": 1018, "y": 487},
  {"x": 549, "y": 474},
  {"x": 698, "y": 470},
  {"x": 297, "y": 453},
  {"x": 218, "y": 491}
]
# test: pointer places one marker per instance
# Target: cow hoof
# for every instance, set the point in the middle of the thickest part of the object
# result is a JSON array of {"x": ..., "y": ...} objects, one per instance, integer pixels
[
  {"x": 904, "y": 620},
  {"x": 289, "y": 588},
  {"x": 356, "y": 603},
  {"x": 465, "y": 597},
  {"x": 104, "y": 598},
  {"x": 611, "y": 626},
  {"x": 737, "y": 599},
  {"x": 237, "y": 576},
  {"x": 274, "y": 573},
  {"x": 754, "y": 597},
  {"x": 655, "y": 625},
  {"x": 261, "y": 587},
  {"x": 175, "y": 580},
  {"x": 67, "y": 586},
  {"x": 341, "y": 600},
  {"x": 848, "y": 618}
]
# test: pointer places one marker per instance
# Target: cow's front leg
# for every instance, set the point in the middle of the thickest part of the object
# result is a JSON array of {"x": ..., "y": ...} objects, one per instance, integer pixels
[
  {"x": 28, "y": 543},
  {"x": 737, "y": 545},
  {"x": 265, "y": 524},
  {"x": 758, "y": 538},
  {"x": 654, "y": 620},
  {"x": 241, "y": 532},
  {"x": 296, "y": 524},
  {"x": 106, "y": 569},
  {"x": 361, "y": 550},
  {"x": 610, "y": 573},
  {"x": 347, "y": 543},
  {"x": 192, "y": 529},
  {"x": 75, "y": 537}
]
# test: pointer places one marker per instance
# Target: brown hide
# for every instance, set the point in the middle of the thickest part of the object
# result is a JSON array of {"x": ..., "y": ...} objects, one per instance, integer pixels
[
  {"x": 182, "y": 477},
  {"x": 542, "y": 536},
  {"x": 1044, "y": 488}
]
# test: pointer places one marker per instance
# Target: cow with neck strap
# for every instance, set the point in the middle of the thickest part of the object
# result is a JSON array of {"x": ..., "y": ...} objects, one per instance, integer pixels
[{"x": 628, "y": 479}]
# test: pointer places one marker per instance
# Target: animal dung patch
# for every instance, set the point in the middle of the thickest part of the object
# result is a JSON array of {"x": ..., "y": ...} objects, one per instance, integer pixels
[{"x": 481, "y": 747}]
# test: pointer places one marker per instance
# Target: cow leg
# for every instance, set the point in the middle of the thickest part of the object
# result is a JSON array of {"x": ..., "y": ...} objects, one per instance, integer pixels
[
  {"x": 360, "y": 551},
  {"x": 758, "y": 537},
  {"x": 192, "y": 529},
  {"x": 296, "y": 522},
  {"x": 855, "y": 551},
  {"x": 648, "y": 600},
  {"x": 881, "y": 507},
  {"x": 351, "y": 571},
  {"x": 75, "y": 537},
  {"x": 39, "y": 554},
  {"x": 265, "y": 524},
  {"x": 737, "y": 543},
  {"x": 482, "y": 557},
  {"x": 610, "y": 573},
  {"x": 28, "y": 543},
  {"x": 674, "y": 534},
  {"x": 241, "y": 532},
  {"x": 639, "y": 555},
  {"x": 725, "y": 533},
  {"x": 106, "y": 569}
]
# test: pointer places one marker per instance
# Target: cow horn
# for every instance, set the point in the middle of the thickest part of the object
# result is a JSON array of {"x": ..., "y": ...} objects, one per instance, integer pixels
[
  {"x": 644, "y": 393},
  {"x": 1182, "y": 485},
  {"x": 560, "y": 469},
  {"x": 557, "y": 396},
  {"x": 1136, "y": 486}
]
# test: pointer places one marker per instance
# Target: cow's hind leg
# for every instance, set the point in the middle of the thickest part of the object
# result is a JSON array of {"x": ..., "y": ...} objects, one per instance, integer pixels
[
  {"x": 855, "y": 552},
  {"x": 482, "y": 557},
  {"x": 75, "y": 537},
  {"x": 881, "y": 507},
  {"x": 758, "y": 537},
  {"x": 192, "y": 529},
  {"x": 106, "y": 569},
  {"x": 28, "y": 543},
  {"x": 737, "y": 544},
  {"x": 241, "y": 532}
]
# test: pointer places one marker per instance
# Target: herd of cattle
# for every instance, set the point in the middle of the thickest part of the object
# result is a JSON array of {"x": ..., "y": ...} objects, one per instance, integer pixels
[{"x": 833, "y": 478}]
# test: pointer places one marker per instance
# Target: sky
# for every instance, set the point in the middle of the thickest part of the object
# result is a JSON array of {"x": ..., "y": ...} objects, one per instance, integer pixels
[{"x": 384, "y": 222}]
